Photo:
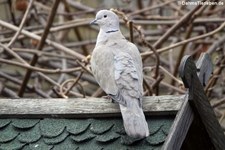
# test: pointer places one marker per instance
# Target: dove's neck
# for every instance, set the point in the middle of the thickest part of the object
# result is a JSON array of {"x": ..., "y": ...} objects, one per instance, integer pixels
[{"x": 104, "y": 36}]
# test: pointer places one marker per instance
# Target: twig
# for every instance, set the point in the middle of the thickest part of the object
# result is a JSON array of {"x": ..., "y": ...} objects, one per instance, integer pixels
[
  {"x": 7, "y": 92},
  {"x": 212, "y": 12},
  {"x": 222, "y": 117},
  {"x": 84, "y": 66},
  {"x": 131, "y": 31},
  {"x": 49, "y": 42},
  {"x": 75, "y": 29},
  {"x": 82, "y": 22},
  {"x": 98, "y": 92},
  {"x": 49, "y": 71},
  {"x": 60, "y": 37},
  {"x": 54, "y": 90},
  {"x": 41, "y": 53},
  {"x": 158, "y": 18},
  {"x": 180, "y": 23},
  {"x": 75, "y": 81},
  {"x": 186, "y": 41},
  {"x": 219, "y": 103},
  {"x": 214, "y": 78},
  {"x": 79, "y": 5},
  {"x": 82, "y": 89},
  {"x": 170, "y": 75},
  {"x": 181, "y": 53},
  {"x": 170, "y": 55},
  {"x": 175, "y": 7},
  {"x": 40, "y": 46},
  {"x": 157, "y": 58},
  {"x": 13, "y": 54},
  {"x": 157, "y": 81},
  {"x": 167, "y": 85},
  {"x": 139, "y": 4},
  {"x": 19, "y": 82},
  {"x": 150, "y": 8},
  {"x": 11, "y": 12},
  {"x": 148, "y": 87},
  {"x": 56, "y": 28},
  {"x": 201, "y": 21},
  {"x": 21, "y": 24},
  {"x": 57, "y": 84},
  {"x": 216, "y": 44},
  {"x": 42, "y": 6}
]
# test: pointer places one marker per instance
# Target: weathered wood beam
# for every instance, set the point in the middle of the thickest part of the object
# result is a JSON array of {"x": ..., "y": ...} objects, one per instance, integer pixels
[
  {"x": 192, "y": 77},
  {"x": 83, "y": 107},
  {"x": 180, "y": 127},
  {"x": 200, "y": 103}
]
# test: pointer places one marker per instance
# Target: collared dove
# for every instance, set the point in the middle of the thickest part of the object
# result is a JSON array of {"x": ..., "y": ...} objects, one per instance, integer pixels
[{"x": 117, "y": 67}]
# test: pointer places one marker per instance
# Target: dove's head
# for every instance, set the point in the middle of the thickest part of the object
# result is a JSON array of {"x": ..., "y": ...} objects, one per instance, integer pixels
[{"x": 107, "y": 20}]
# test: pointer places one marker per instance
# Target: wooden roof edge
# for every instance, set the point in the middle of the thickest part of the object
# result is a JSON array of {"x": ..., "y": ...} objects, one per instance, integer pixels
[
  {"x": 195, "y": 104},
  {"x": 180, "y": 127},
  {"x": 84, "y": 107}
]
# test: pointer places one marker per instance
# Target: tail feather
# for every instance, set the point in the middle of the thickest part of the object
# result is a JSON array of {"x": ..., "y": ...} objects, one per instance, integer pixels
[{"x": 134, "y": 121}]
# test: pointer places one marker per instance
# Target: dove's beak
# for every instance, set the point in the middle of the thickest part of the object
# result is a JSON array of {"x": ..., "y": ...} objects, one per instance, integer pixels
[{"x": 94, "y": 22}]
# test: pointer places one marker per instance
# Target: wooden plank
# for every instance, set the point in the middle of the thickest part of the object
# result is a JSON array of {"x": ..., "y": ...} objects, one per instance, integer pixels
[
  {"x": 204, "y": 68},
  {"x": 197, "y": 137},
  {"x": 185, "y": 115},
  {"x": 78, "y": 107},
  {"x": 180, "y": 127},
  {"x": 197, "y": 97}
]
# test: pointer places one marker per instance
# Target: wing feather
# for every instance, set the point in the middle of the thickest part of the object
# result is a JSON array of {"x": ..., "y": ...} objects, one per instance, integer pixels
[{"x": 126, "y": 78}]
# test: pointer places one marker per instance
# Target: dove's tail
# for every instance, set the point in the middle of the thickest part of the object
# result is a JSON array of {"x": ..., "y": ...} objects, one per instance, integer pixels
[{"x": 134, "y": 121}]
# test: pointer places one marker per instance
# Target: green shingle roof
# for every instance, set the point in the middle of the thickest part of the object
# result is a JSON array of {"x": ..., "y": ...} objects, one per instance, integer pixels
[{"x": 82, "y": 134}]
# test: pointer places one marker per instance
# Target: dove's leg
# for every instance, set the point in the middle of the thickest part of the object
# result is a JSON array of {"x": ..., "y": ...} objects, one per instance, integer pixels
[{"x": 108, "y": 97}]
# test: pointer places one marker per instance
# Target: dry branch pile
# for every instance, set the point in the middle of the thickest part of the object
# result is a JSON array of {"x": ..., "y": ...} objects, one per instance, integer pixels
[{"x": 45, "y": 46}]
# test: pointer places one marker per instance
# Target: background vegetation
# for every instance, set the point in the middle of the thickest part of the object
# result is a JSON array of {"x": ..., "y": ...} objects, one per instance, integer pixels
[{"x": 45, "y": 46}]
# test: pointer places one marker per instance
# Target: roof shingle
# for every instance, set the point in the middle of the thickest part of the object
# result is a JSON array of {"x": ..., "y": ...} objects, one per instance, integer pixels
[{"x": 70, "y": 134}]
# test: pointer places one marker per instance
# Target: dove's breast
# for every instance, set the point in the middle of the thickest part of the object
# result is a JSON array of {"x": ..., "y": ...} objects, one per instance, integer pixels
[{"x": 103, "y": 70}]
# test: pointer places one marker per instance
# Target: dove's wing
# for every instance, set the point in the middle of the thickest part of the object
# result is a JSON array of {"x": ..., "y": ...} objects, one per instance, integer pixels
[{"x": 127, "y": 80}]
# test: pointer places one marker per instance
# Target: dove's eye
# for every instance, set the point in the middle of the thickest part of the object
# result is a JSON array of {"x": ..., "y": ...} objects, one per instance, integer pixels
[{"x": 105, "y": 16}]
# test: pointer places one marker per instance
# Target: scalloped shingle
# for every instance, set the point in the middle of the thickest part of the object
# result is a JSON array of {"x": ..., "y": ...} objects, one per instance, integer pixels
[{"x": 82, "y": 134}]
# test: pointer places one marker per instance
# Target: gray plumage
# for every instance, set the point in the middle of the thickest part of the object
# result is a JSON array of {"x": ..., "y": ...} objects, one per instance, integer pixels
[{"x": 117, "y": 67}]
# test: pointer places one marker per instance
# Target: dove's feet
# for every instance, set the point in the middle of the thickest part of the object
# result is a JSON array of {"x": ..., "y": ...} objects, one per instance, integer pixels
[{"x": 108, "y": 98}]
